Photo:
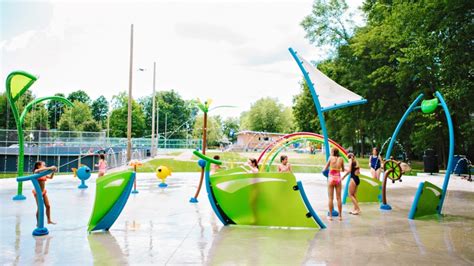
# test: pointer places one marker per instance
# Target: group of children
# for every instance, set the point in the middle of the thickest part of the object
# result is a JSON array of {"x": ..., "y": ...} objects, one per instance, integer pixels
[{"x": 335, "y": 165}]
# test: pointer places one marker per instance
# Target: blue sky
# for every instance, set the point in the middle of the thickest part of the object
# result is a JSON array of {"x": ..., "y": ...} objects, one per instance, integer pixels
[{"x": 232, "y": 51}]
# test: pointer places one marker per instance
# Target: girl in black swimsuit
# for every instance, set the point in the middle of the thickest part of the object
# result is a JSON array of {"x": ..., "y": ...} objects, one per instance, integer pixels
[{"x": 354, "y": 183}]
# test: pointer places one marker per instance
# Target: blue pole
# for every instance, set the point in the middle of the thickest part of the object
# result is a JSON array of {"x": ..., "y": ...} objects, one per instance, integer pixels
[
  {"x": 451, "y": 150},
  {"x": 40, "y": 229},
  {"x": 400, "y": 124},
  {"x": 315, "y": 100}
]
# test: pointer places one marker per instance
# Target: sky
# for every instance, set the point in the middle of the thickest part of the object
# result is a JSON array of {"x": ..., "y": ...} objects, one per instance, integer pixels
[{"x": 234, "y": 52}]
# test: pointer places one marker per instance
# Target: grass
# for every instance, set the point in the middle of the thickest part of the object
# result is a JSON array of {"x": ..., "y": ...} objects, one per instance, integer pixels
[{"x": 173, "y": 165}]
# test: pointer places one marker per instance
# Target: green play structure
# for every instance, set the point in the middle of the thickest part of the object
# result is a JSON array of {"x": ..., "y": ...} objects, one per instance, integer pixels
[
  {"x": 112, "y": 192},
  {"x": 17, "y": 83},
  {"x": 263, "y": 199}
]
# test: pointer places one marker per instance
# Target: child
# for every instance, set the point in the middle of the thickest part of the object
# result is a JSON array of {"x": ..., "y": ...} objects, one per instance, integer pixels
[
  {"x": 102, "y": 165},
  {"x": 215, "y": 167},
  {"x": 336, "y": 166},
  {"x": 354, "y": 170},
  {"x": 284, "y": 167},
  {"x": 375, "y": 162},
  {"x": 252, "y": 162},
  {"x": 40, "y": 166}
]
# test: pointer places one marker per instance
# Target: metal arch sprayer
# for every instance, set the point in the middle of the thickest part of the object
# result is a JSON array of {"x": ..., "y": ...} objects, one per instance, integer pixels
[{"x": 17, "y": 83}]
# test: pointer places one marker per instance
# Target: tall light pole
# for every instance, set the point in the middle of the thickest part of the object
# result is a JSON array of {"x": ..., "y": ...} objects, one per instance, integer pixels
[
  {"x": 129, "y": 117},
  {"x": 153, "y": 151}
]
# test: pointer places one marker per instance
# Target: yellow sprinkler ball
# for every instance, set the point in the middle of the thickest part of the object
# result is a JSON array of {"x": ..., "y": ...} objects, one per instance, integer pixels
[{"x": 162, "y": 172}]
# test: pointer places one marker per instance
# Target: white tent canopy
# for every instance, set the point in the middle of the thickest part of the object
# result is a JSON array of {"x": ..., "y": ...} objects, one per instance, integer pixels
[{"x": 330, "y": 94}]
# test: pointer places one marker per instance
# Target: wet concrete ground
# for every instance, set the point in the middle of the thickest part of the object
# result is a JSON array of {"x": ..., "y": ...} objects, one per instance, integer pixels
[{"x": 160, "y": 226}]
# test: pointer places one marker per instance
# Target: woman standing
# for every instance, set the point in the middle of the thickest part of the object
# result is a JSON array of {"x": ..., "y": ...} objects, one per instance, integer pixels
[{"x": 336, "y": 166}]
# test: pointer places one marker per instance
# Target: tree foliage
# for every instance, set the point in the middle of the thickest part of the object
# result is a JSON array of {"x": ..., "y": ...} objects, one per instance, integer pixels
[
  {"x": 100, "y": 109},
  {"x": 76, "y": 118},
  {"x": 406, "y": 48},
  {"x": 214, "y": 129},
  {"x": 55, "y": 111},
  {"x": 268, "y": 115},
  {"x": 79, "y": 96},
  {"x": 118, "y": 117}
]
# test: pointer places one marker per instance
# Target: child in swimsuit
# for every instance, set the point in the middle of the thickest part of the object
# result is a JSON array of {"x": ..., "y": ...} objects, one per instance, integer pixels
[
  {"x": 355, "y": 181},
  {"x": 102, "y": 165},
  {"x": 335, "y": 165},
  {"x": 40, "y": 166},
  {"x": 284, "y": 167},
  {"x": 252, "y": 162},
  {"x": 375, "y": 164},
  {"x": 215, "y": 167}
]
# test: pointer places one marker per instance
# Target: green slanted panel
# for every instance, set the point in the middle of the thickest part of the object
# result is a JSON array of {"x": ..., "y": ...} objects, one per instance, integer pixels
[
  {"x": 428, "y": 201},
  {"x": 108, "y": 191},
  {"x": 369, "y": 190},
  {"x": 428, "y": 106},
  {"x": 266, "y": 199},
  {"x": 240, "y": 169}
]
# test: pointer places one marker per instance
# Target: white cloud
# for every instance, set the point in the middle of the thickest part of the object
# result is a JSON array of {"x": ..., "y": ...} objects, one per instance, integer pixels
[{"x": 233, "y": 52}]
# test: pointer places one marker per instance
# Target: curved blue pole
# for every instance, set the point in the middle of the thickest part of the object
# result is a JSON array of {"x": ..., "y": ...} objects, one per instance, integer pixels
[
  {"x": 451, "y": 150},
  {"x": 40, "y": 229},
  {"x": 400, "y": 124},
  {"x": 315, "y": 100}
]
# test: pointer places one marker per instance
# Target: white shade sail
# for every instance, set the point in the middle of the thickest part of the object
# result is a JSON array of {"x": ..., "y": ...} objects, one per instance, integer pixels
[{"x": 330, "y": 94}]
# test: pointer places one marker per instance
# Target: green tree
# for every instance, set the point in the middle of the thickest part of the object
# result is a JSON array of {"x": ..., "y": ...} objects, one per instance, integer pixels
[
  {"x": 267, "y": 115},
  {"x": 91, "y": 126},
  {"x": 230, "y": 127},
  {"x": 214, "y": 129},
  {"x": 329, "y": 23},
  {"x": 37, "y": 118},
  {"x": 173, "y": 110},
  {"x": 119, "y": 115},
  {"x": 80, "y": 96},
  {"x": 100, "y": 109},
  {"x": 74, "y": 118},
  {"x": 55, "y": 110}
]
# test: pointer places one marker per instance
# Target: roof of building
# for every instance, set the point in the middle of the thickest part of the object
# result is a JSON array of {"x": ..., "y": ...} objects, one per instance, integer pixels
[{"x": 243, "y": 132}]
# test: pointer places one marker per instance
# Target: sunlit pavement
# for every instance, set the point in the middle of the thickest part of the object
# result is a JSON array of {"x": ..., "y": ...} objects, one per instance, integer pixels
[{"x": 160, "y": 226}]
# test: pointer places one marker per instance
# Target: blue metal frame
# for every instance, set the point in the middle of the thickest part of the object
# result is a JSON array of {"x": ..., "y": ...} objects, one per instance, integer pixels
[
  {"x": 411, "y": 214},
  {"x": 40, "y": 230},
  {"x": 309, "y": 207},
  {"x": 451, "y": 150},
  {"x": 342, "y": 105},
  {"x": 346, "y": 189},
  {"x": 315, "y": 100},
  {"x": 400, "y": 124},
  {"x": 109, "y": 219}
]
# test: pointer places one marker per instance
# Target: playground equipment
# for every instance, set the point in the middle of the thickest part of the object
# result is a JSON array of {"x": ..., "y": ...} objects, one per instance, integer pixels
[
  {"x": 263, "y": 199},
  {"x": 429, "y": 198},
  {"x": 17, "y": 83},
  {"x": 162, "y": 172},
  {"x": 392, "y": 171},
  {"x": 204, "y": 107},
  {"x": 135, "y": 164},
  {"x": 329, "y": 96},
  {"x": 40, "y": 230},
  {"x": 83, "y": 173},
  {"x": 112, "y": 193}
]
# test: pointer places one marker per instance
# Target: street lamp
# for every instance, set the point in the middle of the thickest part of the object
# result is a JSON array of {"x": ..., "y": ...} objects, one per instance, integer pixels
[{"x": 153, "y": 150}]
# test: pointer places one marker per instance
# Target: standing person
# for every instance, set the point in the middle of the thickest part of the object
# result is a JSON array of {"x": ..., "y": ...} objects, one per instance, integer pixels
[
  {"x": 335, "y": 165},
  {"x": 102, "y": 165},
  {"x": 354, "y": 170},
  {"x": 40, "y": 166},
  {"x": 375, "y": 163},
  {"x": 252, "y": 162},
  {"x": 285, "y": 166}
]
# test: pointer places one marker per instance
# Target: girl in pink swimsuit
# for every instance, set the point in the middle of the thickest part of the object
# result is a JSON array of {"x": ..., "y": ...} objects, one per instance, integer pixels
[
  {"x": 336, "y": 166},
  {"x": 102, "y": 165}
]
